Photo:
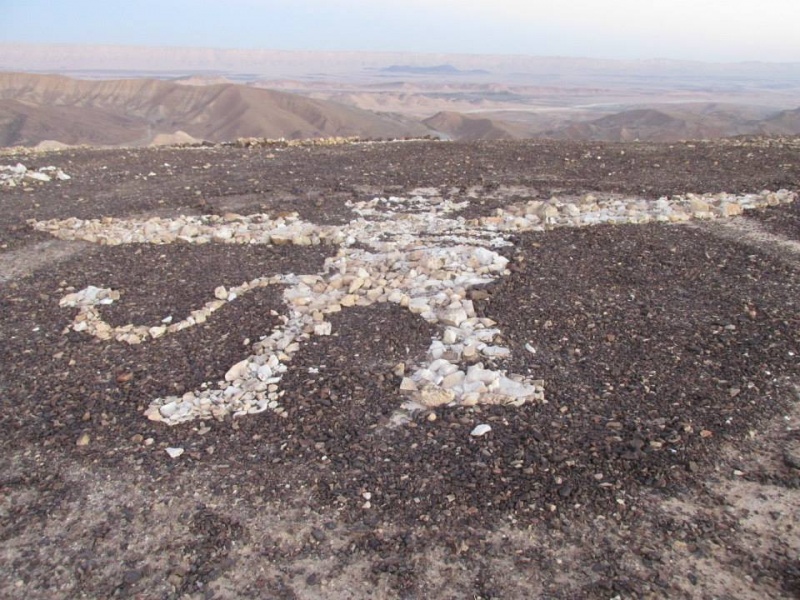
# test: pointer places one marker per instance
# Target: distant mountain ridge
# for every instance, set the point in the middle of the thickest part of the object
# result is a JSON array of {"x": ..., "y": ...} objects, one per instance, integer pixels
[
  {"x": 53, "y": 108},
  {"x": 297, "y": 63},
  {"x": 34, "y": 108},
  {"x": 434, "y": 70},
  {"x": 665, "y": 125}
]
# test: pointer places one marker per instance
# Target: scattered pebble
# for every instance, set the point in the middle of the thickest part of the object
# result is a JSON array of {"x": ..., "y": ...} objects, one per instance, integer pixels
[{"x": 480, "y": 430}]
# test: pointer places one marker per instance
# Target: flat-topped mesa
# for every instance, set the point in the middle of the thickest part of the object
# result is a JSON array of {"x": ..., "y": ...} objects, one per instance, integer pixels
[{"x": 420, "y": 257}]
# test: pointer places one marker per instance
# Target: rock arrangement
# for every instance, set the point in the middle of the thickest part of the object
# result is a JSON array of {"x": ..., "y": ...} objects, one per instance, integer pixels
[
  {"x": 260, "y": 142},
  {"x": 421, "y": 255},
  {"x": 19, "y": 174},
  {"x": 760, "y": 142}
]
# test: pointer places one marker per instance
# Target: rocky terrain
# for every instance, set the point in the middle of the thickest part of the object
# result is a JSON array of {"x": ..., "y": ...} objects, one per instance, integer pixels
[{"x": 406, "y": 370}]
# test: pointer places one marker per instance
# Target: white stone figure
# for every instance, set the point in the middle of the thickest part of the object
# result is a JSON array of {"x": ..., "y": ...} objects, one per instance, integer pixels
[{"x": 421, "y": 257}]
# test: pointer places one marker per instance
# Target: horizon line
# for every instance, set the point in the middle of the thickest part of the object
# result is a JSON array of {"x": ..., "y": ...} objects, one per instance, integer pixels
[{"x": 401, "y": 52}]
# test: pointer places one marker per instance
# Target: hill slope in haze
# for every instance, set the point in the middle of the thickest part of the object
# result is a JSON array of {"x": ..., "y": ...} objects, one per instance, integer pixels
[
  {"x": 786, "y": 121},
  {"x": 675, "y": 124},
  {"x": 34, "y": 108},
  {"x": 458, "y": 126}
]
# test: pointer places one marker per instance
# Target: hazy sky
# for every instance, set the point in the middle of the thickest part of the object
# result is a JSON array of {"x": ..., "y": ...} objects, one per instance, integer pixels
[{"x": 713, "y": 30}]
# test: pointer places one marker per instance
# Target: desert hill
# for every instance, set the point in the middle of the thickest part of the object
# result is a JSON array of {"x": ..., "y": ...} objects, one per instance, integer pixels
[
  {"x": 639, "y": 124},
  {"x": 54, "y": 108},
  {"x": 643, "y": 124},
  {"x": 462, "y": 127},
  {"x": 786, "y": 121},
  {"x": 134, "y": 111},
  {"x": 665, "y": 124}
]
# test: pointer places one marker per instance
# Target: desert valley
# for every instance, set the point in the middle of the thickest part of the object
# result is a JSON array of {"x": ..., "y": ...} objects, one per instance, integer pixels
[{"x": 191, "y": 96}]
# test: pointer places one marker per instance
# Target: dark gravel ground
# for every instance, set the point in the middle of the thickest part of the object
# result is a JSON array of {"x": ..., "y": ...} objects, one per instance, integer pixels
[{"x": 664, "y": 349}]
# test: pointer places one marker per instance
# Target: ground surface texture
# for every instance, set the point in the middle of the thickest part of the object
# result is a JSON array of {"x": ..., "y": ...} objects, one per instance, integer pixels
[{"x": 665, "y": 462}]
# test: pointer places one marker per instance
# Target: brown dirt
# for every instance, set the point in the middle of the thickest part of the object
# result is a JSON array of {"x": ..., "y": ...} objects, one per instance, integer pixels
[{"x": 665, "y": 463}]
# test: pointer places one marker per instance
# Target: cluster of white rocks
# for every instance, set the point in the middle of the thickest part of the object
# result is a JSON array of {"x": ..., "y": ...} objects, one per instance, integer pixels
[
  {"x": 590, "y": 210},
  {"x": 420, "y": 258},
  {"x": 14, "y": 175},
  {"x": 260, "y": 142}
]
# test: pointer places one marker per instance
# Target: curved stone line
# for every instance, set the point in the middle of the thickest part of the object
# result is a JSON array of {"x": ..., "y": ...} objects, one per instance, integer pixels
[
  {"x": 89, "y": 320},
  {"x": 412, "y": 269}
]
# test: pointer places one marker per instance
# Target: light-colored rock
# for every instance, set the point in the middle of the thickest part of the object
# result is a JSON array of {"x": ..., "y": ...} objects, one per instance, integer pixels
[
  {"x": 157, "y": 331},
  {"x": 237, "y": 371},
  {"x": 453, "y": 316},
  {"x": 356, "y": 285},
  {"x": 547, "y": 211},
  {"x": 453, "y": 380},
  {"x": 322, "y": 328},
  {"x": 408, "y": 385},
  {"x": 431, "y": 396},
  {"x": 470, "y": 352},
  {"x": 480, "y": 430},
  {"x": 418, "y": 305},
  {"x": 169, "y": 409},
  {"x": 728, "y": 209},
  {"x": 450, "y": 336},
  {"x": 496, "y": 352}
]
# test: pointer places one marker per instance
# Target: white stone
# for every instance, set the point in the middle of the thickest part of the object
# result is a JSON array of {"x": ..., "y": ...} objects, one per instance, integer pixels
[
  {"x": 514, "y": 389},
  {"x": 408, "y": 385},
  {"x": 323, "y": 328},
  {"x": 37, "y": 176},
  {"x": 237, "y": 371},
  {"x": 169, "y": 409},
  {"x": 453, "y": 380},
  {"x": 480, "y": 430},
  {"x": 476, "y": 373},
  {"x": 431, "y": 396},
  {"x": 453, "y": 317},
  {"x": 450, "y": 336},
  {"x": 418, "y": 305},
  {"x": 496, "y": 352},
  {"x": 264, "y": 373}
]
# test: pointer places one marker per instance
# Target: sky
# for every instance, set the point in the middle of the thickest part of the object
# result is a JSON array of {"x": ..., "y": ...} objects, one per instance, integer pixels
[{"x": 705, "y": 30}]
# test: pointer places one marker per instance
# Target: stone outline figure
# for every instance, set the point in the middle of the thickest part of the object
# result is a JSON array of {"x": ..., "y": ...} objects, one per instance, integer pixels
[{"x": 420, "y": 256}]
